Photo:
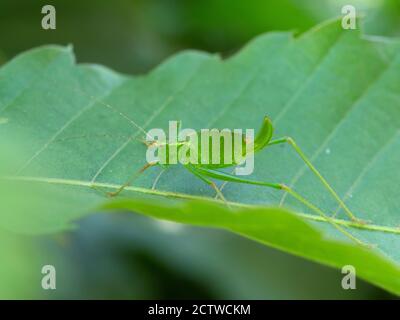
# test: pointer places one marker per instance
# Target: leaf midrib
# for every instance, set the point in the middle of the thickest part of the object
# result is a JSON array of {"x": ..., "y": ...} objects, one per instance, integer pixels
[{"x": 89, "y": 184}]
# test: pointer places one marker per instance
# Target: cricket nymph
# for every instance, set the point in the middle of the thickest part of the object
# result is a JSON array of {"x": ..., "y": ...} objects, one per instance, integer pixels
[
  {"x": 227, "y": 149},
  {"x": 212, "y": 149}
]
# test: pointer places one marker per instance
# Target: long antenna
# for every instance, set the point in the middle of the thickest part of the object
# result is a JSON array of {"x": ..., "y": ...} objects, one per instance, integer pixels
[{"x": 126, "y": 117}]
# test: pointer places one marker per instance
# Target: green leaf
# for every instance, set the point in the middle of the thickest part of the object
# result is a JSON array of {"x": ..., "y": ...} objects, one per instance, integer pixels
[{"x": 334, "y": 91}]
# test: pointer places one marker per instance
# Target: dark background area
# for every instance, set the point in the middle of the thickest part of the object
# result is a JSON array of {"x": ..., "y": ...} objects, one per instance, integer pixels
[
  {"x": 132, "y": 36},
  {"x": 132, "y": 257}
]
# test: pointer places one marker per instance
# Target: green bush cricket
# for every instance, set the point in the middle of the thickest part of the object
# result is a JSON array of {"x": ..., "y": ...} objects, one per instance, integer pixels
[{"x": 263, "y": 140}]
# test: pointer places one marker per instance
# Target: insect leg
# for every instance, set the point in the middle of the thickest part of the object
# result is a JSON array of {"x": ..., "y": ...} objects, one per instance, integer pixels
[
  {"x": 153, "y": 187},
  {"x": 227, "y": 177},
  {"x": 199, "y": 174},
  {"x": 302, "y": 155},
  {"x": 327, "y": 217},
  {"x": 131, "y": 179},
  {"x": 224, "y": 185}
]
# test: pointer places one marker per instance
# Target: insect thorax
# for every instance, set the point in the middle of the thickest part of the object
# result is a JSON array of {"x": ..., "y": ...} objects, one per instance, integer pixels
[{"x": 212, "y": 148}]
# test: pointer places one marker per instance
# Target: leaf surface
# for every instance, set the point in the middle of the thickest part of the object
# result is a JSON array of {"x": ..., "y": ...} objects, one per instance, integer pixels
[{"x": 334, "y": 91}]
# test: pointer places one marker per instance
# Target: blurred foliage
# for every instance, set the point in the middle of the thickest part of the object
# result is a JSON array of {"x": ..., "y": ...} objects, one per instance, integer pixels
[
  {"x": 22, "y": 257},
  {"x": 115, "y": 256},
  {"x": 127, "y": 256},
  {"x": 134, "y": 35},
  {"x": 17, "y": 267},
  {"x": 133, "y": 257}
]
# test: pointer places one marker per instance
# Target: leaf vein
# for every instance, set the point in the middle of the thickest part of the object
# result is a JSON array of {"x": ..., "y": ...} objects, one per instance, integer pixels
[
  {"x": 29, "y": 85},
  {"x": 337, "y": 126},
  {"x": 167, "y": 101},
  {"x": 74, "y": 118},
  {"x": 368, "y": 166}
]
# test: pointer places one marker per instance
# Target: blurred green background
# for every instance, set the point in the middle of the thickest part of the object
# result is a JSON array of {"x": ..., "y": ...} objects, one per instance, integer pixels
[{"x": 132, "y": 257}]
